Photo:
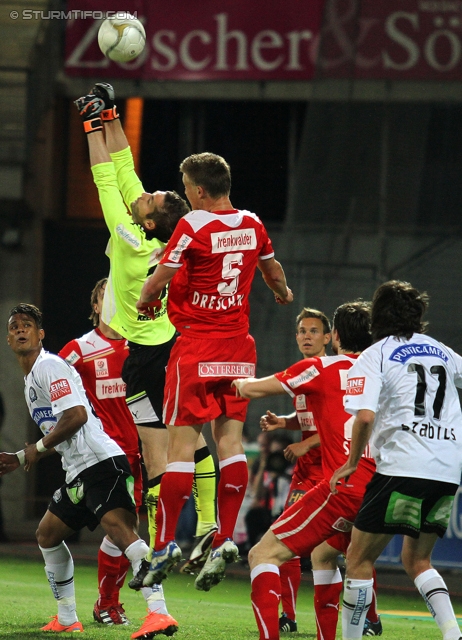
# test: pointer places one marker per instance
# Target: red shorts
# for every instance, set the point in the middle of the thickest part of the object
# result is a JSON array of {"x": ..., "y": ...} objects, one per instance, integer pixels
[
  {"x": 199, "y": 375},
  {"x": 134, "y": 460},
  {"x": 317, "y": 516}
]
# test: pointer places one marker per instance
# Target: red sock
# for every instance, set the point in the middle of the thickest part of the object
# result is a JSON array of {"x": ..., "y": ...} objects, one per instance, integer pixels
[
  {"x": 234, "y": 475},
  {"x": 372, "y": 614},
  {"x": 327, "y": 589},
  {"x": 291, "y": 576},
  {"x": 125, "y": 565},
  {"x": 108, "y": 572},
  {"x": 175, "y": 490},
  {"x": 266, "y": 590}
]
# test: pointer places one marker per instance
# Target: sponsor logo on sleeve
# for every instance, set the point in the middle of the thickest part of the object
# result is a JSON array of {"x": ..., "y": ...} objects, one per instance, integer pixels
[
  {"x": 355, "y": 386},
  {"x": 303, "y": 378},
  {"x": 183, "y": 242},
  {"x": 101, "y": 368},
  {"x": 226, "y": 370},
  {"x": 59, "y": 389},
  {"x": 402, "y": 354},
  {"x": 236, "y": 240},
  {"x": 113, "y": 388},
  {"x": 72, "y": 357},
  {"x": 43, "y": 414},
  {"x": 127, "y": 236}
]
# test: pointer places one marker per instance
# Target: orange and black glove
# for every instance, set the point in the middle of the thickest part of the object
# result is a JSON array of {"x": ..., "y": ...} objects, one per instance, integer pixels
[
  {"x": 90, "y": 108},
  {"x": 105, "y": 91}
]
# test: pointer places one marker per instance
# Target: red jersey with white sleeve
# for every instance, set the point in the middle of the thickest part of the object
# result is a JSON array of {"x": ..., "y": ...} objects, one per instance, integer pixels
[
  {"x": 218, "y": 253},
  {"x": 323, "y": 380},
  {"x": 99, "y": 361},
  {"x": 308, "y": 466}
]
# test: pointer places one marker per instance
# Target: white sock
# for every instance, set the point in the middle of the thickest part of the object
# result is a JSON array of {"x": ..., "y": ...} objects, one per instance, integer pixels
[
  {"x": 135, "y": 552},
  {"x": 59, "y": 569},
  {"x": 155, "y": 599},
  {"x": 357, "y": 598},
  {"x": 435, "y": 593},
  {"x": 110, "y": 548},
  {"x": 326, "y": 576}
]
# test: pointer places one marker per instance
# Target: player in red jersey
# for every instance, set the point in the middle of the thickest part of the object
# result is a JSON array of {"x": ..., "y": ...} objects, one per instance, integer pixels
[
  {"x": 319, "y": 518},
  {"x": 210, "y": 262},
  {"x": 313, "y": 333},
  {"x": 98, "y": 356}
]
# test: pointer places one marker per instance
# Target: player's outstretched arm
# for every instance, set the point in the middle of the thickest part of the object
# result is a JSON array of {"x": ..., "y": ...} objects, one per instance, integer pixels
[
  {"x": 361, "y": 432},
  {"x": 270, "y": 421},
  {"x": 154, "y": 285},
  {"x": 275, "y": 279},
  {"x": 90, "y": 108},
  {"x": 257, "y": 388}
]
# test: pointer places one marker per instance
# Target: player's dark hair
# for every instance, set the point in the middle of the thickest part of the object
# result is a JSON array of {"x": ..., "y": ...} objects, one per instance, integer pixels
[
  {"x": 352, "y": 321},
  {"x": 397, "y": 310},
  {"x": 307, "y": 312},
  {"x": 167, "y": 216},
  {"x": 94, "y": 316},
  {"x": 209, "y": 171},
  {"x": 29, "y": 310}
]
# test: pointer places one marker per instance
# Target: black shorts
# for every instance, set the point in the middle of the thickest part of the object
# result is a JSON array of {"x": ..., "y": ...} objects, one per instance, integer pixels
[
  {"x": 406, "y": 506},
  {"x": 102, "y": 487},
  {"x": 144, "y": 374}
]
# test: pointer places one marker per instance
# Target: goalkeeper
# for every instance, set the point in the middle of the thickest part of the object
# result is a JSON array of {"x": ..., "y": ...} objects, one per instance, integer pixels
[{"x": 135, "y": 247}]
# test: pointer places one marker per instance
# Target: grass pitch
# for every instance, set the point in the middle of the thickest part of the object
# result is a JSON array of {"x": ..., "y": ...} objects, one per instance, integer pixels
[{"x": 26, "y": 604}]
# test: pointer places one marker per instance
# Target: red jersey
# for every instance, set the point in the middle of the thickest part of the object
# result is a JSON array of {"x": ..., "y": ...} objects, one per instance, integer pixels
[
  {"x": 323, "y": 381},
  {"x": 310, "y": 464},
  {"x": 99, "y": 361},
  {"x": 218, "y": 253}
]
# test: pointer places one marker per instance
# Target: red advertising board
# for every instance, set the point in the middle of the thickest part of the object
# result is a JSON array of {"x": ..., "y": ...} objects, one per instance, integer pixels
[
  {"x": 203, "y": 39},
  {"x": 279, "y": 40}
]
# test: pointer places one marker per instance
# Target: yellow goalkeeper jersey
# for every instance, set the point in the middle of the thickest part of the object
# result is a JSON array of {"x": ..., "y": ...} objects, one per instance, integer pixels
[{"x": 132, "y": 257}]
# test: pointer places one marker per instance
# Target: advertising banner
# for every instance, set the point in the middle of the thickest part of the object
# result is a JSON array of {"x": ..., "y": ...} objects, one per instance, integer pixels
[{"x": 282, "y": 40}]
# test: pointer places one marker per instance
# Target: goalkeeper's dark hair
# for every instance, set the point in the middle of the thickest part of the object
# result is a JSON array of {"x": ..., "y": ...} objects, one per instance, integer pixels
[
  {"x": 167, "y": 216},
  {"x": 94, "y": 316},
  {"x": 28, "y": 310},
  {"x": 352, "y": 321},
  {"x": 397, "y": 310}
]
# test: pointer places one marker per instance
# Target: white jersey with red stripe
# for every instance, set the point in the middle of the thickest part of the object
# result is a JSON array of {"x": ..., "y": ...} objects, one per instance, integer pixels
[
  {"x": 216, "y": 254},
  {"x": 51, "y": 387},
  {"x": 323, "y": 380},
  {"x": 99, "y": 361}
]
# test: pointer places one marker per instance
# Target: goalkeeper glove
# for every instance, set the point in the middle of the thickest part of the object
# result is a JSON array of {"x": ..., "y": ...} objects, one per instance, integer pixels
[
  {"x": 106, "y": 92},
  {"x": 90, "y": 108}
]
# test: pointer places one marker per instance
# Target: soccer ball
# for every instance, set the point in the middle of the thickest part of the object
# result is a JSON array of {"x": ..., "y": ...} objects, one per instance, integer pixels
[{"x": 122, "y": 37}]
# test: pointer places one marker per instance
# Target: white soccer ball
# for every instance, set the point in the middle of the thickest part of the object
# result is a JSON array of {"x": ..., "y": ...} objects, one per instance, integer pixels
[{"x": 121, "y": 38}]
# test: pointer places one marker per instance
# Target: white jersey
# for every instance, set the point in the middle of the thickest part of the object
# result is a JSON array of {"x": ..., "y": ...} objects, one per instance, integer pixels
[
  {"x": 411, "y": 387},
  {"x": 52, "y": 386}
]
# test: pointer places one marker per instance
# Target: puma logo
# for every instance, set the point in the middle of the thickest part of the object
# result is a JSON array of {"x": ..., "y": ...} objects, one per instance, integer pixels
[
  {"x": 278, "y": 595},
  {"x": 334, "y": 606},
  {"x": 91, "y": 343},
  {"x": 233, "y": 486}
]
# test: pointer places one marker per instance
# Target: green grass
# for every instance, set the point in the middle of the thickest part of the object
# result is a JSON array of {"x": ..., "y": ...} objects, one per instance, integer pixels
[{"x": 26, "y": 604}]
